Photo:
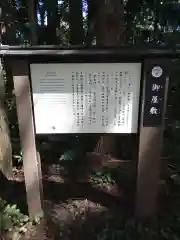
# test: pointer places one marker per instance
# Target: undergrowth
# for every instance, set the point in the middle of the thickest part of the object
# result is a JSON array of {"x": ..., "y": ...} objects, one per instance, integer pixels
[
  {"x": 12, "y": 221},
  {"x": 109, "y": 226}
]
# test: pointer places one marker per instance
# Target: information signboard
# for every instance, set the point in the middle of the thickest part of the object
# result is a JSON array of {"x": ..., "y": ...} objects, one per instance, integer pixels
[{"x": 85, "y": 97}]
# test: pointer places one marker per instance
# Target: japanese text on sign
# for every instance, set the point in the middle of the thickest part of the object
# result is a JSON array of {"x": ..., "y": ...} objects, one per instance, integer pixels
[
  {"x": 154, "y": 95},
  {"x": 86, "y": 98}
]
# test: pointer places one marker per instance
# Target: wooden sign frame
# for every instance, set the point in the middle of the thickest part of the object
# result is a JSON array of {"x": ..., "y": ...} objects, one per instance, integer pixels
[{"x": 151, "y": 135}]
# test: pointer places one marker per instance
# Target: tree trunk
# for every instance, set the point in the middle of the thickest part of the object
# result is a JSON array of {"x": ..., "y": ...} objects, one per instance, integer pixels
[
  {"x": 32, "y": 5},
  {"x": 76, "y": 22},
  {"x": 110, "y": 23},
  {"x": 109, "y": 32},
  {"x": 7, "y": 26},
  {"x": 91, "y": 21},
  {"x": 52, "y": 21},
  {"x": 5, "y": 142},
  {"x": 132, "y": 8},
  {"x": 42, "y": 15}
]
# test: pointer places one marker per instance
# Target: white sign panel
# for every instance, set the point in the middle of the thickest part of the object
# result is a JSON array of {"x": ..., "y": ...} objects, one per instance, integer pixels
[{"x": 86, "y": 97}]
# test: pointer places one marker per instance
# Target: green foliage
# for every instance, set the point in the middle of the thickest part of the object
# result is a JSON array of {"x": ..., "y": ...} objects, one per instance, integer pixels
[
  {"x": 11, "y": 219},
  {"x": 13, "y": 222},
  {"x": 157, "y": 229},
  {"x": 103, "y": 176},
  {"x": 134, "y": 229},
  {"x": 165, "y": 226},
  {"x": 68, "y": 156},
  {"x": 110, "y": 225},
  {"x": 146, "y": 21},
  {"x": 37, "y": 219},
  {"x": 18, "y": 158}
]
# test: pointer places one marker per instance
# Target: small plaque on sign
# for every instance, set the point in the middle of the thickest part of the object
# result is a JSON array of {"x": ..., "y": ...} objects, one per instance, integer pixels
[{"x": 86, "y": 98}]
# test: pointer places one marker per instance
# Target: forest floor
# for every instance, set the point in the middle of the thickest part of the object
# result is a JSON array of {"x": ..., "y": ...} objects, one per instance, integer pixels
[
  {"x": 72, "y": 210},
  {"x": 86, "y": 210}
]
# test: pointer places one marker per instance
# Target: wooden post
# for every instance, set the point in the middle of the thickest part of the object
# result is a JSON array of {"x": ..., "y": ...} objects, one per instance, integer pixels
[
  {"x": 151, "y": 135},
  {"x": 5, "y": 142},
  {"x": 32, "y": 171}
]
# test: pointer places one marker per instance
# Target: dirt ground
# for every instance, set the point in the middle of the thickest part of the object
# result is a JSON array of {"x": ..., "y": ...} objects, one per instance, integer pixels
[{"x": 72, "y": 210}]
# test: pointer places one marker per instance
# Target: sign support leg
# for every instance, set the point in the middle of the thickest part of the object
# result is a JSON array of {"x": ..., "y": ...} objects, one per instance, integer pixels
[
  {"x": 32, "y": 171},
  {"x": 151, "y": 137}
]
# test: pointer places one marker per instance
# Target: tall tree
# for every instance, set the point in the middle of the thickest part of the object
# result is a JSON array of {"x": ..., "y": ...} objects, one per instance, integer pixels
[
  {"x": 32, "y": 10},
  {"x": 110, "y": 22},
  {"x": 5, "y": 142},
  {"x": 132, "y": 8},
  {"x": 52, "y": 20},
  {"x": 109, "y": 32},
  {"x": 91, "y": 21},
  {"x": 8, "y": 31},
  {"x": 76, "y": 22}
]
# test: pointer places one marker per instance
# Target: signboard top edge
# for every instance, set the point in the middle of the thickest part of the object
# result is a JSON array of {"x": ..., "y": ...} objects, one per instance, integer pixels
[{"x": 126, "y": 51}]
